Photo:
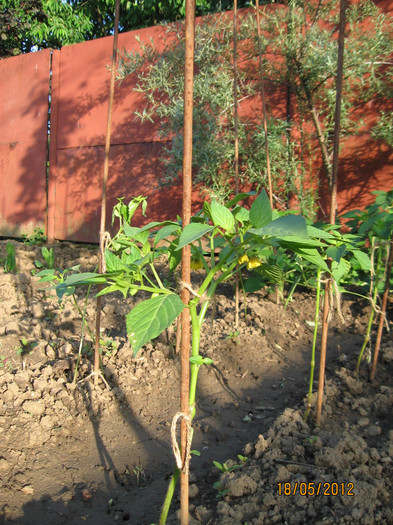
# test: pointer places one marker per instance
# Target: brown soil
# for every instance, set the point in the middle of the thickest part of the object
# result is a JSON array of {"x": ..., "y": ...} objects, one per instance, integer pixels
[{"x": 98, "y": 455}]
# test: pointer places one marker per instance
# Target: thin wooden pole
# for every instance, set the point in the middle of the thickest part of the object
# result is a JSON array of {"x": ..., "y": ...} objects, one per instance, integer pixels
[
  {"x": 236, "y": 125},
  {"x": 186, "y": 252},
  {"x": 383, "y": 310},
  {"x": 105, "y": 182},
  {"x": 264, "y": 112},
  {"x": 333, "y": 202}
]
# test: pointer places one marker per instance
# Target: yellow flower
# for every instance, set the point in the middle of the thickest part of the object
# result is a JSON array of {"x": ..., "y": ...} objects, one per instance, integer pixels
[
  {"x": 254, "y": 262},
  {"x": 243, "y": 258},
  {"x": 196, "y": 264}
]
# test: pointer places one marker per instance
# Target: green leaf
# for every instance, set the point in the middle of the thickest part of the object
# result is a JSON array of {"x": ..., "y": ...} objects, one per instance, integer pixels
[
  {"x": 239, "y": 197},
  {"x": 83, "y": 278},
  {"x": 318, "y": 233},
  {"x": 193, "y": 232},
  {"x": 137, "y": 234},
  {"x": 149, "y": 318},
  {"x": 199, "y": 360},
  {"x": 165, "y": 232},
  {"x": 336, "y": 252},
  {"x": 254, "y": 283},
  {"x": 312, "y": 255},
  {"x": 241, "y": 214},
  {"x": 339, "y": 269},
  {"x": 46, "y": 273},
  {"x": 272, "y": 272},
  {"x": 363, "y": 259},
  {"x": 155, "y": 224},
  {"x": 113, "y": 263},
  {"x": 131, "y": 231},
  {"x": 222, "y": 217},
  {"x": 289, "y": 225},
  {"x": 174, "y": 256},
  {"x": 260, "y": 211}
]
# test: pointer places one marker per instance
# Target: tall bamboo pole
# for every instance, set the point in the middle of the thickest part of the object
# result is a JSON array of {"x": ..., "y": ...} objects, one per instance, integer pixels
[
  {"x": 333, "y": 201},
  {"x": 186, "y": 253},
  {"x": 236, "y": 124},
  {"x": 105, "y": 182},
  {"x": 264, "y": 112}
]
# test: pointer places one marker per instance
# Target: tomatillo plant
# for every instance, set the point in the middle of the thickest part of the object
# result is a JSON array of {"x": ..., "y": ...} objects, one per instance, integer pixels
[{"x": 224, "y": 239}]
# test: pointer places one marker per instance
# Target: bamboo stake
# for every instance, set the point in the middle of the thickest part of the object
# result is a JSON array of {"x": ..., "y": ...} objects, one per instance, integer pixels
[
  {"x": 264, "y": 113},
  {"x": 333, "y": 200},
  {"x": 105, "y": 184},
  {"x": 382, "y": 315},
  {"x": 186, "y": 253},
  {"x": 236, "y": 123}
]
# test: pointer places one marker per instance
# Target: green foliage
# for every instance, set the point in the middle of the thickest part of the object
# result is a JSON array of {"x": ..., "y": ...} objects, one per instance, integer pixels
[
  {"x": 26, "y": 347},
  {"x": 25, "y": 24},
  {"x": 148, "y": 319},
  {"x": 10, "y": 260},
  {"x": 49, "y": 258},
  {"x": 299, "y": 47},
  {"x": 161, "y": 80},
  {"x": 37, "y": 237},
  {"x": 226, "y": 238},
  {"x": 383, "y": 130},
  {"x": 372, "y": 229},
  {"x": 302, "y": 39},
  {"x": 241, "y": 238}
]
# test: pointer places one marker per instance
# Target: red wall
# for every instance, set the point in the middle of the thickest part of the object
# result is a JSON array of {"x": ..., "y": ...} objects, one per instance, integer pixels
[
  {"x": 24, "y": 86},
  {"x": 79, "y": 105}
]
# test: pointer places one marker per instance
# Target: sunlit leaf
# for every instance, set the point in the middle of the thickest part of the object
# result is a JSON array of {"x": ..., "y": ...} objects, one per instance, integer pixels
[{"x": 149, "y": 318}]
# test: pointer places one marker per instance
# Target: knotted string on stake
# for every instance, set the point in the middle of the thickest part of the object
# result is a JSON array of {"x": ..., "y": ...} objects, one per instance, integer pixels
[
  {"x": 175, "y": 447},
  {"x": 337, "y": 293},
  {"x": 192, "y": 291},
  {"x": 105, "y": 239}
]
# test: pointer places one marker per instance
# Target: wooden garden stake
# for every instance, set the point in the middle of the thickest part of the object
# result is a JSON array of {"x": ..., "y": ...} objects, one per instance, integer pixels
[
  {"x": 382, "y": 314},
  {"x": 186, "y": 256},
  {"x": 264, "y": 113},
  {"x": 333, "y": 202},
  {"x": 104, "y": 186},
  {"x": 236, "y": 124}
]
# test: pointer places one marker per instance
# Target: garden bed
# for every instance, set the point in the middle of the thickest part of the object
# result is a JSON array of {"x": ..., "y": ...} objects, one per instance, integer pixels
[{"x": 102, "y": 454}]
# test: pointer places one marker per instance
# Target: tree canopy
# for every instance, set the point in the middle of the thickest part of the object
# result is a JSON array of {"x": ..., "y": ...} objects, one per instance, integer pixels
[{"x": 39, "y": 24}]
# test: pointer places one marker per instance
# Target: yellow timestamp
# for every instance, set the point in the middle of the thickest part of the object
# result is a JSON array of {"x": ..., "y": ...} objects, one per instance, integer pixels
[{"x": 315, "y": 489}]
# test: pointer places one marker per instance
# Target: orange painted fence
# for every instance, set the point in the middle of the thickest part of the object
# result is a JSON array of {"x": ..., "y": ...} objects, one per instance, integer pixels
[{"x": 66, "y": 198}]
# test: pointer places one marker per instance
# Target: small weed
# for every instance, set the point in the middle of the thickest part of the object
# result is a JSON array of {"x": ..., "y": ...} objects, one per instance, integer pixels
[
  {"x": 243, "y": 459},
  {"x": 224, "y": 467},
  {"x": 229, "y": 468},
  {"x": 233, "y": 336},
  {"x": 10, "y": 260},
  {"x": 49, "y": 258},
  {"x": 26, "y": 347},
  {"x": 219, "y": 487},
  {"x": 107, "y": 347},
  {"x": 138, "y": 473},
  {"x": 311, "y": 440},
  {"x": 4, "y": 362},
  {"x": 37, "y": 237}
]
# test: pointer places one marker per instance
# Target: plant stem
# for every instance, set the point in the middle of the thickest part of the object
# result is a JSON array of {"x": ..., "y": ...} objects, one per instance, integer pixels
[
  {"x": 169, "y": 496},
  {"x": 383, "y": 309},
  {"x": 366, "y": 339},
  {"x": 197, "y": 321},
  {"x": 156, "y": 276},
  {"x": 314, "y": 343},
  {"x": 83, "y": 314},
  {"x": 84, "y": 323}
]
